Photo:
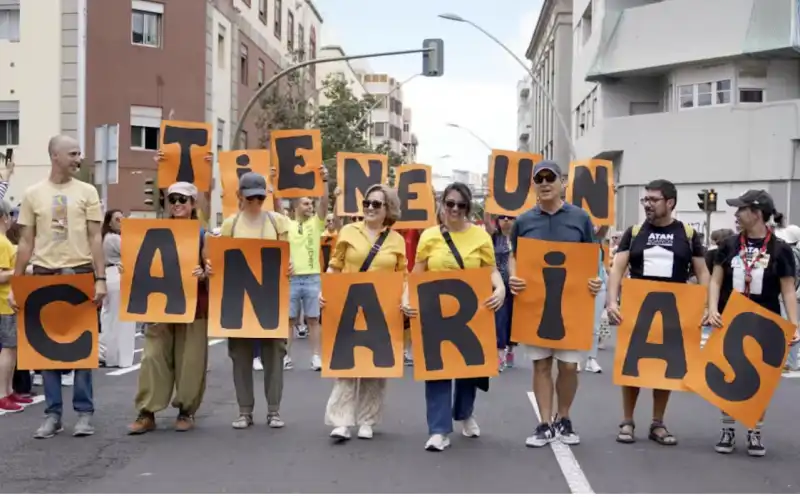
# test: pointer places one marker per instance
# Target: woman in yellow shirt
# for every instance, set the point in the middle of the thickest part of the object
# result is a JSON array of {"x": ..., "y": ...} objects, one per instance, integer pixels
[
  {"x": 353, "y": 246},
  {"x": 475, "y": 249}
]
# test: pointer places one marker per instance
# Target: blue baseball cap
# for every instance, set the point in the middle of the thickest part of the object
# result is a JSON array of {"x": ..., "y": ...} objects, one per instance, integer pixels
[{"x": 547, "y": 165}]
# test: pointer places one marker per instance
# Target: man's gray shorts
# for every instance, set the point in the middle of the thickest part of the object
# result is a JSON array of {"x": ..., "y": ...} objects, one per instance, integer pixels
[{"x": 8, "y": 330}]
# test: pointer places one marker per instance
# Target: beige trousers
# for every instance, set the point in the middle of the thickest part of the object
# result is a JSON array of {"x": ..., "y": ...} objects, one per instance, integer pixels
[{"x": 344, "y": 409}]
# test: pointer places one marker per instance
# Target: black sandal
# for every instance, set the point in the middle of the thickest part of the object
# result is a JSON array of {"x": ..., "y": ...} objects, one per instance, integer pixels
[
  {"x": 666, "y": 439},
  {"x": 624, "y": 437}
]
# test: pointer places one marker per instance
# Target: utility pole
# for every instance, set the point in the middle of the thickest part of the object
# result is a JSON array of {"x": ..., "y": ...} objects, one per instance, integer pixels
[{"x": 106, "y": 158}]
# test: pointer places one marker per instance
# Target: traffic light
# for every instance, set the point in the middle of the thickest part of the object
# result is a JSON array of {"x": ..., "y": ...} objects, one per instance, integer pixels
[
  {"x": 708, "y": 200},
  {"x": 433, "y": 59},
  {"x": 153, "y": 196},
  {"x": 712, "y": 200}
]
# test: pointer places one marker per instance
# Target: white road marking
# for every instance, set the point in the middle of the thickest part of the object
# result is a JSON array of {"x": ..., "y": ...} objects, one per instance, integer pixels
[
  {"x": 36, "y": 400},
  {"x": 576, "y": 479},
  {"x": 791, "y": 374},
  {"x": 136, "y": 367}
]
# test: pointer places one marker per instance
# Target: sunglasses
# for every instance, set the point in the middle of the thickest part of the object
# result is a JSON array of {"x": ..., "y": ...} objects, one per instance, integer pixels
[
  {"x": 259, "y": 198},
  {"x": 375, "y": 204},
  {"x": 451, "y": 204},
  {"x": 176, "y": 198},
  {"x": 357, "y": 218},
  {"x": 505, "y": 218},
  {"x": 546, "y": 177}
]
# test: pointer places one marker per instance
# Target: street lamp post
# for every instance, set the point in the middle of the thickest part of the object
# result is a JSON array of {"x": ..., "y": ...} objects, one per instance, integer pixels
[
  {"x": 534, "y": 79},
  {"x": 474, "y": 135},
  {"x": 262, "y": 90}
]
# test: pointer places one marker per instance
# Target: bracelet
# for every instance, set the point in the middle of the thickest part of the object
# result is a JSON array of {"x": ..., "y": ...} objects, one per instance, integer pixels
[{"x": 99, "y": 278}]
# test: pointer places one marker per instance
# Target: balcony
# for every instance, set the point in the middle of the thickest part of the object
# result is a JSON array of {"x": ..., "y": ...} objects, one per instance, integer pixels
[{"x": 632, "y": 39}]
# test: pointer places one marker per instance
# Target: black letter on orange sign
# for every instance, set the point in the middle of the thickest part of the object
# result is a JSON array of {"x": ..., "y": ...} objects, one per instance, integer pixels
[
  {"x": 404, "y": 183},
  {"x": 746, "y": 381},
  {"x": 516, "y": 199},
  {"x": 356, "y": 179},
  {"x": 186, "y": 138},
  {"x": 454, "y": 329},
  {"x": 159, "y": 240},
  {"x": 242, "y": 165},
  {"x": 41, "y": 342},
  {"x": 240, "y": 280},
  {"x": 289, "y": 160},
  {"x": 671, "y": 350},
  {"x": 551, "y": 326},
  {"x": 594, "y": 190},
  {"x": 376, "y": 337}
]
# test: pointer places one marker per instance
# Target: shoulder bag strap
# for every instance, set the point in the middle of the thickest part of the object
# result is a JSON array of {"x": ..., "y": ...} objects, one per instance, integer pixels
[
  {"x": 274, "y": 224},
  {"x": 374, "y": 250},
  {"x": 449, "y": 240},
  {"x": 233, "y": 225}
]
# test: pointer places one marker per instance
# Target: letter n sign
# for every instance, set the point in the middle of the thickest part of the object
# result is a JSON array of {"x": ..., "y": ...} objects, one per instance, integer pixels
[{"x": 591, "y": 187}]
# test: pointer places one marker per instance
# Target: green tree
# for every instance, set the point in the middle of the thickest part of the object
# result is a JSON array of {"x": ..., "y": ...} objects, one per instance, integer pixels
[{"x": 284, "y": 106}]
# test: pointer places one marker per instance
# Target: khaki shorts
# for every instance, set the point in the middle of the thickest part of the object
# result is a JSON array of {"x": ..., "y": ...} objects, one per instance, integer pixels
[{"x": 569, "y": 356}]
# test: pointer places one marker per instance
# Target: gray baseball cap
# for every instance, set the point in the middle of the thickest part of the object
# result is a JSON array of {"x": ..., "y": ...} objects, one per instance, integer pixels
[
  {"x": 252, "y": 185},
  {"x": 547, "y": 165}
]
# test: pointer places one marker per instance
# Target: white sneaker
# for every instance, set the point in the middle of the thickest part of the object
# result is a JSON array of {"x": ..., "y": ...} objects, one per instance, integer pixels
[
  {"x": 257, "y": 364},
  {"x": 287, "y": 363},
  {"x": 316, "y": 362},
  {"x": 67, "y": 380},
  {"x": 470, "y": 428},
  {"x": 365, "y": 432},
  {"x": 37, "y": 380},
  {"x": 437, "y": 443},
  {"x": 341, "y": 433},
  {"x": 592, "y": 366}
]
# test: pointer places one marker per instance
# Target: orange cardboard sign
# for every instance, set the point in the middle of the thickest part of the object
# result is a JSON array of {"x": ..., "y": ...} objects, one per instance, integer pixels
[
  {"x": 511, "y": 182},
  {"x": 591, "y": 187},
  {"x": 355, "y": 173},
  {"x": 362, "y": 325},
  {"x": 417, "y": 203},
  {"x": 57, "y": 322},
  {"x": 296, "y": 155},
  {"x": 741, "y": 364},
  {"x": 232, "y": 165},
  {"x": 158, "y": 257},
  {"x": 659, "y": 336},
  {"x": 453, "y": 335},
  {"x": 327, "y": 245},
  {"x": 186, "y": 146},
  {"x": 248, "y": 294},
  {"x": 557, "y": 276}
]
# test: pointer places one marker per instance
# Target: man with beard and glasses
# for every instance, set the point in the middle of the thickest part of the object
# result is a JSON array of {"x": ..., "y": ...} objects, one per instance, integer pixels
[
  {"x": 660, "y": 249},
  {"x": 759, "y": 265},
  {"x": 556, "y": 221}
]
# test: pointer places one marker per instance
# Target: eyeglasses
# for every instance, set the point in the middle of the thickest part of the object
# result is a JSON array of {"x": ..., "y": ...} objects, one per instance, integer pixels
[
  {"x": 451, "y": 204},
  {"x": 259, "y": 198},
  {"x": 375, "y": 204},
  {"x": 177, "y": 198},
  {"x": 546, "y": 177},
  {"x": 650, "y": 200}
]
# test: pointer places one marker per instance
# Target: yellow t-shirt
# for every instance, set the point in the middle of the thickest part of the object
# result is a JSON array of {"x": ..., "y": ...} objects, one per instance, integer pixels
[
  {"x": 474, "y": 244},
  {"x": 60, "y": 214},
  {"x": 354, "y": 244},
  {"x": 304, "y": 244},
  {"x": 8, "y": 256},
  {"x": 248, "y": 229}
]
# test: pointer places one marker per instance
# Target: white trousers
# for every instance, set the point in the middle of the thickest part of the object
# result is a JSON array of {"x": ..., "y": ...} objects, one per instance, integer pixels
[
  {"x": 118, "y": 338},
  {"x": 344, "y": 409}
]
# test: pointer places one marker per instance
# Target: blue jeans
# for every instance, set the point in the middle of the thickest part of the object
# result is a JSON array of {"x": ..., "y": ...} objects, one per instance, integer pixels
[
  {"x": 599, "y": 305},
  {"x": 304, "y": 294},
  {"x": 82, "y": 394},
  {"x": 442, "y": 408}
]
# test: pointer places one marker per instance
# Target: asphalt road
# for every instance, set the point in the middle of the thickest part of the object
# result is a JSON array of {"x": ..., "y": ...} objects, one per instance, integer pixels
[{"x": 300, "y": 458}]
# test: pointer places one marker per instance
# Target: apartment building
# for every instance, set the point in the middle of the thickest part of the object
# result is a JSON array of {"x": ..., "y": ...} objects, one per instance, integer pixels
[
  {"x": 344, "y": 70},
  {"x": 524, "y": 114},
  {"x": 70, "y": 66},
  {"x": 387, "y": 115},
  {"x": 410, "y": 141},
  {"x": 550, "y": 53},
  {"x": 715, "y": 107}
]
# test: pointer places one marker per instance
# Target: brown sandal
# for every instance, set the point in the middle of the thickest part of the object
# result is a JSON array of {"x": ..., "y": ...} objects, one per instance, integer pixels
[{"x": 625, "y": 435}]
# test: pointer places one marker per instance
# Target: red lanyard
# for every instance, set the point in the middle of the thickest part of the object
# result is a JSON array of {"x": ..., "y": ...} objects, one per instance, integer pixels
[{"x": 748, "y": 267}]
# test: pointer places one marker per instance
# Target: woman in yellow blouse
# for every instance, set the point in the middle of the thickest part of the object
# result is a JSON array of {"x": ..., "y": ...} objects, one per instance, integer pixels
[
  {"x": 381, "y": 210},
  {"x": 475, "y": 249}
]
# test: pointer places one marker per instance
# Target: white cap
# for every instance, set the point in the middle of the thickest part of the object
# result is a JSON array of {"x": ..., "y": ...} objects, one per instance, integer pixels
[
  {"x": 789, "y": 234},
  {"x": 183, "y": 188}
]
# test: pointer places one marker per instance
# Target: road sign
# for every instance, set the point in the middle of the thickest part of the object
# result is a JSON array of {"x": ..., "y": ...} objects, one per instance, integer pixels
[{"x": 106, "y": 158}]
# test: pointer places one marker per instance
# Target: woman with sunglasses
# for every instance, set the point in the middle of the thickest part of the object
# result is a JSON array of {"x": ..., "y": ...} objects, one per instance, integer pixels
[
  {"x": 175, "y": 354},
  {"x": 368, "y": 245},
  {"x": 500, "y": 230},
  {"x": 472, "y": 248}
]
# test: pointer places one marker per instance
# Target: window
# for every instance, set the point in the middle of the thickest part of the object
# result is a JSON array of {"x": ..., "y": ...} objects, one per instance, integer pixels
[
  {"x": 705, "y": 94},
  {"x": 406, "y": 127},
  {"x": 686, "y": 96},
  {"x": 278, "y": 18},
  {"x": 9, "y": 132},
  {"x": 586, "y": 23},
  {"x": 312, "y": 45},
  {"x": 751, "y": 95},
  {"x": 262, "y": 10},
  {"x": 146, "y": 18},
  {"x": 301, "y": 42},
  {"x": 145, "y": 127},
  {"x": 380, "y": 129},
  {"x": 221, "y": 47},
  {"x": 262, "y": 72},
  {"x": 723, "y": 92},
  {"x": 9, "y": 23},
  {"x": 290, "y": 31},
  {"x": 243, "y": 64}
]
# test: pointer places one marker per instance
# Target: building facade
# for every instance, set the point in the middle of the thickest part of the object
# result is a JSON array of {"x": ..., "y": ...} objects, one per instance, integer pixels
[
  {"x": 703, "y": 111},
  {"x": 550, "y": 53},
  {"x": 345, "y": 70},
  {"x": 78, "y": 64},
  {"x": 524, "y": 115},
  {"x": 387, "y": 115}
]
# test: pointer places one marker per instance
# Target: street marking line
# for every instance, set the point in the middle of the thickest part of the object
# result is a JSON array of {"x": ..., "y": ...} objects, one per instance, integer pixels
[
  {"x": 136, "y": 367},
  {"x": 36, "y": 400},
  {"x": 576, "y": 479},
  {"x": 791, "y": 374}
]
